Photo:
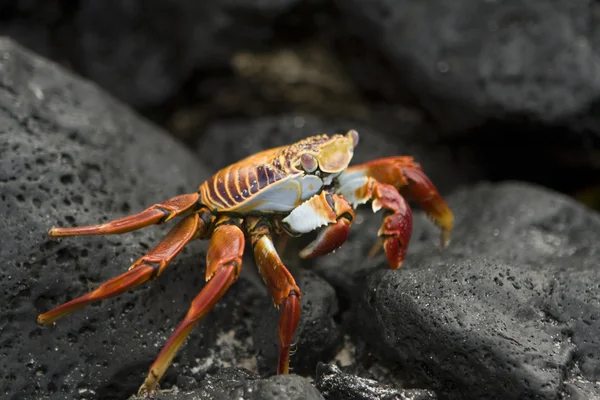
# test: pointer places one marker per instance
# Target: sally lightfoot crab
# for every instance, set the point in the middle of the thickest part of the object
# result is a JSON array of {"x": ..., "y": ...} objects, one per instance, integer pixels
[{"x": 289, "y": 190}]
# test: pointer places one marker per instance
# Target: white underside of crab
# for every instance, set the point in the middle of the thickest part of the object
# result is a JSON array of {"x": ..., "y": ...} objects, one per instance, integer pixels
[
  {"x": 283, "y": 196},
  {"x": 313, "y": 213}
]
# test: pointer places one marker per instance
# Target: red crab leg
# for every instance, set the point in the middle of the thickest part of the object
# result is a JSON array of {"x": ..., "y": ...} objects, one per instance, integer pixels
[
  {"x": 408, "y": 177},
  {"x": 155, "y": 214},
  {"x": 223, "y": 264},
  {"x": 146, "y": 268},
  {"x": 281, "y": 285}
]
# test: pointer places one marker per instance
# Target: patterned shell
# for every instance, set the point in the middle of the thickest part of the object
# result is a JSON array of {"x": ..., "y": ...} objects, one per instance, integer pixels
[{"x": 272, "y": 180}]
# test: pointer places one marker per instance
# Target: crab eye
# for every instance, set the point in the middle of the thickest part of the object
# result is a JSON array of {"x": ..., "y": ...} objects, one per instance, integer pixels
[
  {"x": 353, "y": 134},
  {"x": 309, "y": 163}
]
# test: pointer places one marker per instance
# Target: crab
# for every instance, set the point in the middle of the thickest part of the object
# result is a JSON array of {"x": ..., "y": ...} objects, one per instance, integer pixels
[{"x": 277, "y": 193}]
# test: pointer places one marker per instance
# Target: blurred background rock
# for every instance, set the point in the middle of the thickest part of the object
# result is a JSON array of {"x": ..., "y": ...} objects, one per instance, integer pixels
[{"x": 509, "y": 89}]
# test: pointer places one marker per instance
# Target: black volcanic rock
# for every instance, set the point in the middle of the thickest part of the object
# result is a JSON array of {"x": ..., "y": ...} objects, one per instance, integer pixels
[
  {"x": 335, "y": 384},
  {"x": 232, "y": 383},
  {"x": 509, "y": 310}
]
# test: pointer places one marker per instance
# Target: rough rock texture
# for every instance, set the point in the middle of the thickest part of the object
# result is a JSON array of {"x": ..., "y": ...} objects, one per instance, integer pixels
[
  {"x": 69, "y": 154},
  {"x": 509, "y": 310},
  {"x": 232, "y": 383},
  {"x": 472, "y": 61},
  {"x": 335, "y": 384}
]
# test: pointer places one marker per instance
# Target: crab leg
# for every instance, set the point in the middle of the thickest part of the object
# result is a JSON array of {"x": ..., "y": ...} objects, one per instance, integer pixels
[
  {"x": 407, "y": 176},
  {"x": 156, "y": 214},
  {"x": 281, "y": 285},
  {"x": 223, "y": 265},
  {"x": 322, "y": 209},
  {"x": 146, "y": 268}
]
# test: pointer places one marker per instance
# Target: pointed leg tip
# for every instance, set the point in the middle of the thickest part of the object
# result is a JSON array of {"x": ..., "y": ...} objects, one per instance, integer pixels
[
  {"x": 147, "y": 390},
  {"x": 54, "y": 232},
  {"x": 445, "y": 238},
  {"x": 48, "y": 319}
]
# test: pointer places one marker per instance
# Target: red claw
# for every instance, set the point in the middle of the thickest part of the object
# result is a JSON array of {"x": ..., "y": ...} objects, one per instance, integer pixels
[
  {"x": 329, "y": 239},
  {"x": 334, "y": 235},
  {"x": 396, "y": 228}
]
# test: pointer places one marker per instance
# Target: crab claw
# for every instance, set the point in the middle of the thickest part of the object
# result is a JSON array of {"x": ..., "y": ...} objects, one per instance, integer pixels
[
  {"x": 325, "y": 208},
  {"x": 396, "y": 228},
  {"x": 329, "y": 239}
]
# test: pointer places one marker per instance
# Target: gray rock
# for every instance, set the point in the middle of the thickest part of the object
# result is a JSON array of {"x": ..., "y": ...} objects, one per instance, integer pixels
[
  {"x": 579, "y": 389},
  {"x": 506, "y": 311},
  {"x": 231, "y": 383},
  {"x": 70, "y": 154},
  {"x": 335, "y": 384},
  {"x": 469, "y": 62}
]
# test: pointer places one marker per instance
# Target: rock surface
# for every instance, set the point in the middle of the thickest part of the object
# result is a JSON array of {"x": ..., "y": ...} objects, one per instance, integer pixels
[
  {"x": 517, "y": 83},
  {"x": 335, "y": 384},
  {"x": 232, "y": 383},
  {"x": 470, "y": 61},
  {"x": 509, "y": 310}
]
